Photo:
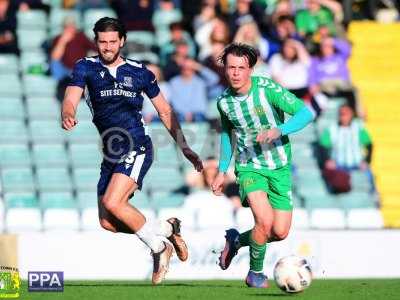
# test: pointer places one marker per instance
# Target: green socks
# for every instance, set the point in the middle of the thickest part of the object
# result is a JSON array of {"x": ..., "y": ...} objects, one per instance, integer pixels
[
  {"x": 244, "y": 238},
  {"x": 257, "y": 252}
]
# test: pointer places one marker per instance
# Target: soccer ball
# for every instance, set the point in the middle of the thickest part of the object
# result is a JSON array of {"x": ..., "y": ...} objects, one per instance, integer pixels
[{"x": 292, "y": 274}]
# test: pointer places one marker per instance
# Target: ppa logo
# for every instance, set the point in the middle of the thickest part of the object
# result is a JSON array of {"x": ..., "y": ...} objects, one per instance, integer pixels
[{"x": 45, "y": 281}]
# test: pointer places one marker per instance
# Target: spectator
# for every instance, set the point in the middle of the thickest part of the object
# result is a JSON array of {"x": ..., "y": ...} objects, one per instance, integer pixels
[
  {"x": 283, "y": 29},
  {"x": 206, "y": 15},
  {"x": 290, "y": 68},
  {"x": 261, "y": 68},
  {"x": 136, "y": 15},
  {"x": 148, "y": 111},
  {"x": 215, "y": 31},
  {"x": 165, "y": 15},
  {"x": 343, "y": 145},
  {"x": 318, "y": 12},
  {"x": 175, "y": 61},
  {"x": 212, "y": 62},
  {"x": 177, "y": 35},
  {"x": 189, "y": 91},
  {"x": 248, "y": 33},
  {"x": 67, "y": 48},
  {"x": 246, "y": 11},
  {"x": 25, "y": 5},
  {"x": 329, "y": 72},
  {"x": 8, "y": 24}
]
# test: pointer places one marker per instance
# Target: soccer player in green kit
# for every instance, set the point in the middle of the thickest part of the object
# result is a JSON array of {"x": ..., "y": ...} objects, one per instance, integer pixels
[{"x": 252, "y": 116}]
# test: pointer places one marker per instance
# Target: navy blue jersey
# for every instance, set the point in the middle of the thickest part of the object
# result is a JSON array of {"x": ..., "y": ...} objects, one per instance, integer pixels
[{"x": 116, "y": 101}]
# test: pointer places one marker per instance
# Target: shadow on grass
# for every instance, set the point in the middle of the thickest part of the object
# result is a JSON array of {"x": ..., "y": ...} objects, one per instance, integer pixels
[{"x": 270, "y": 295}]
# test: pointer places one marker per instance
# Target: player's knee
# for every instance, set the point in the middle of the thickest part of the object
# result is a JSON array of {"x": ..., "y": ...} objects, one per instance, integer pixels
[
  {"x": 280, "y": 234},
  {"x": 264, "y": 226},
  {"x": 111, "y": 204},
  {"x": 107, "y": 225}
]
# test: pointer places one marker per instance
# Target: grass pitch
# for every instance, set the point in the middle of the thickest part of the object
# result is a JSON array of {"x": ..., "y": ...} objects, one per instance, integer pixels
[{"x": 363, "y": 289}]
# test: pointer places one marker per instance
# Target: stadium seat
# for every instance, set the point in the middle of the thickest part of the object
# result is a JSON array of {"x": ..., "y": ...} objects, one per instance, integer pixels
[
  {"x": 364, "y": 218},
  {"x": 23, "y": 214},
  {"x": 11, "y": 108},
  {"x": 40, "y": 108},
  {"x": 20, "y": 200},
  {"x": 85, "y": 155},
  {"x": 60, "y": 211},
  {"x": 306, "y": 135},
  {"x": 53, "y": 179},
  {"x": 300, "y": 219},
  {"x": 52, "y": 154},
  {"x": 165, "y": 156},
  {"x": 356, "y": 199},
  {"x": 14, "y": 155},
  {"x": 147, "y": 56},
  {"x": 31, "y": 60},
  {"x": 40, "y": 86},
  {"x": 10, "y": 86},
  {"x": 13, "y": 131},
  {"x": 46, "y": 131},
  {"x": 32, "y": 20},
  {"x": 244, "y": 219},
  {"x": 57, "y": 18},
  {"x": 86, "y": 199},
  {"x": 87, "y": 203},
  {"x": 85, "y": 179},
  {"x": 84, "y": 131},
  {"x": 328, "y": 218},
  {"x": 83, "y": 112},
  {"x": 166, "y": 199},
  {"x": 9, "y": 64},
  {"x": 360, "y": 182},
  {"x": 164, "y": 179},
  {"x": 29, "y": 40},
  {"x": 210, "y": 211},
  {"x": 91, "y": 16},
  {"x": 141, "y": 200},
  {"x": 17, "y": 179},
  {"x": 20, "y": 220},
  {"x": 142, "y": 40}
]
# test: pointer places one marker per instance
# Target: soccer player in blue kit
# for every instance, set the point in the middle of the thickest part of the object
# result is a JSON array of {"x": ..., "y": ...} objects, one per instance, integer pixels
[{"x": 113, "y": 92}]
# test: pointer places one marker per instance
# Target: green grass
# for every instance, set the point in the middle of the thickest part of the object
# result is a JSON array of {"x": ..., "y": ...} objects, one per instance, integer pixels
[{"x": 387, "y": 289}]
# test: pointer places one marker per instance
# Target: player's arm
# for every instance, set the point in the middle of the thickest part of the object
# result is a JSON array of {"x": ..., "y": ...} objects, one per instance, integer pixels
[
  {"x": 73, "y": 95},
  {"x": 289, "y": 103},
  {"x": 168, "y": 118},
  {"x": 70, "y": 103},
  {"x": 225, "y": 156}
]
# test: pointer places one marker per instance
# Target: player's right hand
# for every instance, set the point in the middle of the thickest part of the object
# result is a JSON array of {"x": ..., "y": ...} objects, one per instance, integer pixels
[
  {"x": 68, "y": 122},
  {"x": 218, "y": 184}
]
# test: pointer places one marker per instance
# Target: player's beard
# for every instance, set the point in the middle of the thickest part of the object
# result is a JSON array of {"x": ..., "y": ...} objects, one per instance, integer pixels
[{"x": 110, "y": 61}]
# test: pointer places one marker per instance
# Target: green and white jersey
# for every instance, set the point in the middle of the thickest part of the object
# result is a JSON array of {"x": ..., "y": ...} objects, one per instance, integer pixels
[{"x": 262, "y": 108}]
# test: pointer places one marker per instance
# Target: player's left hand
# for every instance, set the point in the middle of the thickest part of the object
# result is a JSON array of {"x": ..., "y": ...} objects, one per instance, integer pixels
[
  {"x": 268, "y": 136},
  {"x": 193, "y": 158}
]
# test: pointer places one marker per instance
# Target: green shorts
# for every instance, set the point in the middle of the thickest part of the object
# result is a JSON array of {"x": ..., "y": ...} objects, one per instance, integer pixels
[{"x": 276, "y": 183}]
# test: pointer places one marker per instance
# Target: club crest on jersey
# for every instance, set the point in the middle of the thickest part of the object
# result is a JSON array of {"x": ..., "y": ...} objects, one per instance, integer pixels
[
  {"x": 127, "y": 81},
  {"x": 102, "y": 73}
]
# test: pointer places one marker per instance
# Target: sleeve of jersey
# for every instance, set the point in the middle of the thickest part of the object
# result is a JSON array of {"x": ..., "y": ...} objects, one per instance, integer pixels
[
  {"x": 78, "y": 76},
  {"x": 226, "y": 152},
  {"x": 297, "y": 122},
  {"x": 150, "y": 87}
]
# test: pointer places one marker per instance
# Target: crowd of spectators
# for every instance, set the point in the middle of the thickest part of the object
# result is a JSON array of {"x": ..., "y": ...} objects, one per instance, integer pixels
[{"x": 301, "y": 44}]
